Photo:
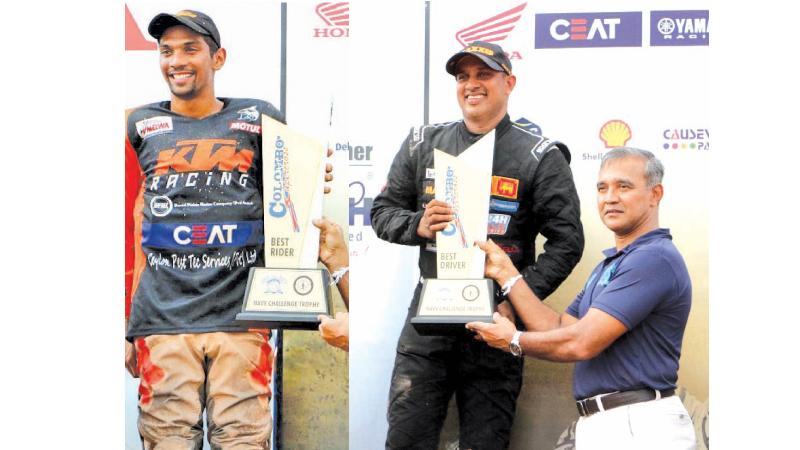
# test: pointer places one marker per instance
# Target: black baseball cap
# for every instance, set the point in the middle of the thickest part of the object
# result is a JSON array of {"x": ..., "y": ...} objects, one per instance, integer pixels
[
  {"x": 491, "y": 54},
  {"x": 194, "y": 20}
]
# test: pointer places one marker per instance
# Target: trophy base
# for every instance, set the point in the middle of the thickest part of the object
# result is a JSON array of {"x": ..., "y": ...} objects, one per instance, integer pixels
[
  {"x": 445, "y": 325},
  {"x": 445, "y": 306},
  {"x": 276, "y": 321},
  {"x": 282, "y": 298}
]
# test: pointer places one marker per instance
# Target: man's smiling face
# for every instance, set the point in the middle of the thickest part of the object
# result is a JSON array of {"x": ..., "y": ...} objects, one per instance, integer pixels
[
  {"x": 187, "y": 63},
  {"x": 482, "y": 92}
]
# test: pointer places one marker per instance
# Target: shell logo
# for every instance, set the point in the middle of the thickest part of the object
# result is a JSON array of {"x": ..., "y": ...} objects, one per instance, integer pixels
[{"x": 615, "y": 133}]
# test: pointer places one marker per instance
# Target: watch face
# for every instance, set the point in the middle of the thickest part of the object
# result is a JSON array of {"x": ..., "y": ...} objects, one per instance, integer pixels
[{"x": 515, "y": 349}]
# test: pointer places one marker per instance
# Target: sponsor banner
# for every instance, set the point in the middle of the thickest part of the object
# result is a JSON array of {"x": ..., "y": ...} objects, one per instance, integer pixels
[
  {"x": 580, "y": 30},
  {"x": 209, "y": 234},
  {"x": 615, "y": 133},
  {"x": 491, "y": 29},
  {"x": 678, "y": 28},
  {"x": 686, "y": 139},
  {"x": 335, "y": 18}
]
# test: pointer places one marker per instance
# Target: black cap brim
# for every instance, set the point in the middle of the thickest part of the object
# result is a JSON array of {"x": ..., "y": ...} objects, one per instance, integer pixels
[
  {"x": 161, "y": 22},
  {"x": 453, "y": 62}
]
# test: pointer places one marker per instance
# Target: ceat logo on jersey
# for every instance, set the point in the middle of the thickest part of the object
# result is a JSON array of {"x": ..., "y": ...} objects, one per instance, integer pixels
[
  {"x": 154, "y": 126},
  {"x": 202, "y": 234},
  {"x": 244, "y": 126},
  {"x": 686, "y": 139},
  {"x": 493, "y": 29},
  {"x": 337, "y": 18},
  {"x": 678, "y": 28},
  {"x": 214, "y": 234},
  {"x": 505, "y": 187},
  {"x": 576, "y": 30},
  {"x": 615, "y": 133},
  {"x": 204, "y": 154}
]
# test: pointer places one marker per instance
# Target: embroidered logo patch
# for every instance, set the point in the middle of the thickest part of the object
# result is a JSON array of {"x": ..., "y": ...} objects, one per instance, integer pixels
[
  {"x": 154, "y": 126},
  {"x": 428, "y": 188},
  {"x": 498, "y": 224},
  {"x": 505, "y": 187},
  {"x": 503, "y": 206}
]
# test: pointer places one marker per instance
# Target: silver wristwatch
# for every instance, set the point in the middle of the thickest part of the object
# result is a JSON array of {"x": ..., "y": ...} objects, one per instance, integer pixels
[{"x": 514, "y": 346}]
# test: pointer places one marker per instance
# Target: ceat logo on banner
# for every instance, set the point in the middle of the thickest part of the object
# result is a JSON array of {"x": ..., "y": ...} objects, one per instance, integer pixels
[
  {"x": 337, "y": 18},
  {"x": 615, "y": 133},
  {"x": 493, "y": 29},
  {"x": 678, "y": 28},
  {"x": 576, "y": 30}
]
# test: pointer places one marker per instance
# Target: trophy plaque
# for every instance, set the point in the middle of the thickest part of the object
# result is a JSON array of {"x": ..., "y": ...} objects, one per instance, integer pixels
[
  {"x": 460, "y": 294},
  {"x": 289, "y": 291}
]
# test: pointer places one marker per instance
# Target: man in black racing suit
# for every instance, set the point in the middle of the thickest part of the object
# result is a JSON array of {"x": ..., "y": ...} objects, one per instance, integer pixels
[{"x": 532, "y": 193}]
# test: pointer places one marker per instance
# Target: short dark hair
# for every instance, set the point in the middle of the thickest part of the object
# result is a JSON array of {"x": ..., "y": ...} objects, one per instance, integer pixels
[{"x": 211, "y": 44}]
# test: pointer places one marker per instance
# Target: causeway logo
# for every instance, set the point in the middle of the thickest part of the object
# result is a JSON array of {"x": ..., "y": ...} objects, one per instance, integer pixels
[{"x": 337, "y": 18}]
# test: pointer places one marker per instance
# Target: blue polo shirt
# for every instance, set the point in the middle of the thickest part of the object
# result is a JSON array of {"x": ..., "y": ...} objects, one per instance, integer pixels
[{"x": 646, "y": 287}]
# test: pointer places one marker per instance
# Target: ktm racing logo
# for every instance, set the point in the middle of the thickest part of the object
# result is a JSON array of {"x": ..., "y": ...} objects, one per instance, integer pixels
[{"x": 193, "y": 155}]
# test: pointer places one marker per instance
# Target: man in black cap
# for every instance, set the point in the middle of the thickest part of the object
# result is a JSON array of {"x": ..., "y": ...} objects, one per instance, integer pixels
[
  {"x": 194, "y": 227},
  {"x": 532, "y": 193}
]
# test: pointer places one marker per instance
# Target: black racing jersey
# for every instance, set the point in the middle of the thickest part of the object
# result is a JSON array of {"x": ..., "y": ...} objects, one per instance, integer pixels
[
  {"x": 532, "y": 193},
  {"x": 197, "y": 216}
]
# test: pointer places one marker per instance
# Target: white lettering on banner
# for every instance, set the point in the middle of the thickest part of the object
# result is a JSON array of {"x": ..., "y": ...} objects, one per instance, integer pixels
[
  {"x": 694, "y": 26},
  {"x": 598, "y": 27}
]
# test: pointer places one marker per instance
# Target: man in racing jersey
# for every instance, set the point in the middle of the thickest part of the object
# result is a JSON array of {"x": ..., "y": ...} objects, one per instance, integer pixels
[
  {"x": 532, "y": 193},
  {"x": 194, "y": 227}
]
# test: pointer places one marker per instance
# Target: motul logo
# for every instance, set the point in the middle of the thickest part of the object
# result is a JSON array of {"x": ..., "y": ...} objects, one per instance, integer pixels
[
  {"x": 337, "y": 17},
  {"x": 493, "y": 29},
  {"x": 204, "y": 154}
]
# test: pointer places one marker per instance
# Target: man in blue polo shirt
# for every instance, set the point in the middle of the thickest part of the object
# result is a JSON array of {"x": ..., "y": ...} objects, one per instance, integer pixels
[{"x": 624, "y": 329}]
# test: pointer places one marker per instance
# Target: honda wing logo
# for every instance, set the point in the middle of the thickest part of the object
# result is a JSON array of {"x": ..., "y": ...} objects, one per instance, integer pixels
[
  {"x": 335, "y": 14},
  {"x": 493, "y": 29},
  {"x": 337, "y": 18}
]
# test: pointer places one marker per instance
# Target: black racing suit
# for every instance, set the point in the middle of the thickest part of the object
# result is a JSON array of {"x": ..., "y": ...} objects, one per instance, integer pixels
[{"x": 532, "y": 193}]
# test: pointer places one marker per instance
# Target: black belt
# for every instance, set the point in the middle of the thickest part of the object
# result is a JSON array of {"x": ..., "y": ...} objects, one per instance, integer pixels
[{"x": 589, "y": 406}]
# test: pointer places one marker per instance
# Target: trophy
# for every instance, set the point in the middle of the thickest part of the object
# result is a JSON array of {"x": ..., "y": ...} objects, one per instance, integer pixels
[
  {"x": 460, "y": 293},
  {"x": 289, "y": 291}
]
